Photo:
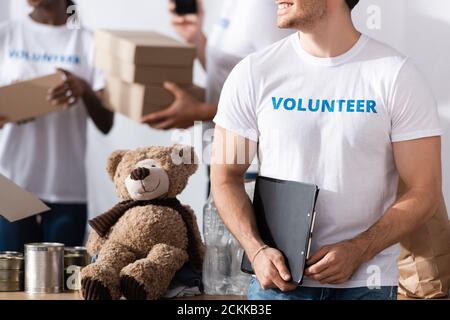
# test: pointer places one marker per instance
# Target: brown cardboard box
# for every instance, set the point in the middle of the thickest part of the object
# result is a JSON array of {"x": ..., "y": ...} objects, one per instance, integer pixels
[
  {"x": 136, "y": 100},
  {"x": 144, "y": 48},
  {"x": 27, "y": 99},
  {"x": 148, "y": 74}
]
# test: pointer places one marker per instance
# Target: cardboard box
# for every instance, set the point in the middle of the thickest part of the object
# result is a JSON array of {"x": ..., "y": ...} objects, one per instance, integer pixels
[
  {"x": 28, "y": 99},
  {"x": 144, "y": 48},
  {"x": 149, "y": 75},
  {"x": 16, "y": 203},
  {"x": 135, "y": 100}
]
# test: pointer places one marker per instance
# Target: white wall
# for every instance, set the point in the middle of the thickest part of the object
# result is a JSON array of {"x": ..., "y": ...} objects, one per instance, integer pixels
[{"x": 419, "y": 28}]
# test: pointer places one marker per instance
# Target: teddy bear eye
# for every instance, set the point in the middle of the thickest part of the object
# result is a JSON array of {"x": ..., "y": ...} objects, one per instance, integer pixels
[{"x": 153, "y": 166}]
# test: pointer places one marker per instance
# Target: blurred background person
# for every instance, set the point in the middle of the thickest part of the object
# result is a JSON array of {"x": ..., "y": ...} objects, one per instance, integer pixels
[
  {"x": 46, "y": 155},
  {"x": 244, "y": 27}
]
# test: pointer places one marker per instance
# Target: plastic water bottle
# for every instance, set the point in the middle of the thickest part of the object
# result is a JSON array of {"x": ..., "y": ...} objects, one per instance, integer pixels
[
  {"x": 216, "y": 266},
  {"x": 222, "y": 273}
]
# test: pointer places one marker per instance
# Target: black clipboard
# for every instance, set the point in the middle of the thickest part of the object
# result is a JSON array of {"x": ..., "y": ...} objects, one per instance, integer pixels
[{"x": 285, "y": 214}]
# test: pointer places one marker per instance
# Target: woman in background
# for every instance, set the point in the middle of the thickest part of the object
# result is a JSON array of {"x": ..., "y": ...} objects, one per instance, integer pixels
[{"x": 46, "y": 155}]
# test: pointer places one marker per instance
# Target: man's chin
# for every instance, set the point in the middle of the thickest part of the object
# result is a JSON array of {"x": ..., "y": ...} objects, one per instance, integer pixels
[{"x": 284, "y": 23}]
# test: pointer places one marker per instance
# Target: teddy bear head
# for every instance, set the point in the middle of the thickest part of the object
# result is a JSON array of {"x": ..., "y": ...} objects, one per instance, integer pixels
[{"x": 153, "y": 172}]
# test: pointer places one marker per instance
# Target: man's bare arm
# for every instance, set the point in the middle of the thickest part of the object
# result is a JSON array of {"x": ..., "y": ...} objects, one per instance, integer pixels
[
  {"x": 232, "y": 155},
  {"x": 419, "y": 166}
]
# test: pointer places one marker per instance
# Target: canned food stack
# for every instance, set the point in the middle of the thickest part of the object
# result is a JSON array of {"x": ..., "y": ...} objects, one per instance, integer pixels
[{"x": 11, "y": 271}]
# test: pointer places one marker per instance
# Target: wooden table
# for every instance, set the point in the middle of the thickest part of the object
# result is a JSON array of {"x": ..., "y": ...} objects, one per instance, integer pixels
[{"x": 76, "y": 296}]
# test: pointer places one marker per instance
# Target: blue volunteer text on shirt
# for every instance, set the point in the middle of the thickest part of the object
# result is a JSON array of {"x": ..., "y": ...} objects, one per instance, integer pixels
[
  {"x": 43, "y": 57},
  {"x": 324, "y": 105}
]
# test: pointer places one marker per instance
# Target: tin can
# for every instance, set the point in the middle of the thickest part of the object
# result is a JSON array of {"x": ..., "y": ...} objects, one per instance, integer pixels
[
  {"x": 11, "y": 271},
  {"x": 11, "y": 275},
  {"x": 75, "y": 258},
  {"x": 7, "y": 286},
  {"x": 44, "y": 267}
]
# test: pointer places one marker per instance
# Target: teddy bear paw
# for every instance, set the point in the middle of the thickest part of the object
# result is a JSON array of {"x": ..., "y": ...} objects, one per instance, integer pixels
[
  {"x": 132, "y": 289},
  {"x": 94, "y": 290}
]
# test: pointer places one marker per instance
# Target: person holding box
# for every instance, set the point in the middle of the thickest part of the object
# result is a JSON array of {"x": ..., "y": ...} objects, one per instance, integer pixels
[
  {"x": 285, "y": 102},
  {"x": 46, "y": 155},
  {"x": 244, "y": 27}
]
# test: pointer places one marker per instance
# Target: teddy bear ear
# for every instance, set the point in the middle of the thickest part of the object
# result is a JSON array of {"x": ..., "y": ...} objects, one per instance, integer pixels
[
  {"x": 113, "y": 162},
  {"x": 185, "y": 155}
]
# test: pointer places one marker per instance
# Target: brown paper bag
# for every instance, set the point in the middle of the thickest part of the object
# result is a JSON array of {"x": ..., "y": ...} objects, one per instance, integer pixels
[{"x": 424, "y": 261}]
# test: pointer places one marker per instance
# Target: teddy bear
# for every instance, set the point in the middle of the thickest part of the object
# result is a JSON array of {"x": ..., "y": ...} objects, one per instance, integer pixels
[{"x": 145, "y": 239}]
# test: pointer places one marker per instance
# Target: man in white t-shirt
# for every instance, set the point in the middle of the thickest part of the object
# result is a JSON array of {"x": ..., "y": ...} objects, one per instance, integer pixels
[{"x": 332, "y": 107}]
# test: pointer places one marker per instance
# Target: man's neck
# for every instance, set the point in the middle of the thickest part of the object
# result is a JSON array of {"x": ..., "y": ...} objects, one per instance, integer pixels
[
  {"x": 52, "y": 15},
  {"x": 334, "y": 35}
]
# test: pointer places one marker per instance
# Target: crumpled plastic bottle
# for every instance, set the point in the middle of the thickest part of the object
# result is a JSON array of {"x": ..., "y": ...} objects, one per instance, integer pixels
[{"x": 222, "y": 273}]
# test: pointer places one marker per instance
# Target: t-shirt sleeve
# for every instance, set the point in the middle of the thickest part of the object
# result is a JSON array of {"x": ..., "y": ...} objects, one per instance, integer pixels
[
  {"x": 414, "y": 112},
  {"x": 264, "y": 24},
  {"x": 237, "y": 107}
]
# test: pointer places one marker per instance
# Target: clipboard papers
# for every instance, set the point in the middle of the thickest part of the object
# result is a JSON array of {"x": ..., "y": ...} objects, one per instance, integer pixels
[
  {"x": 16, "y": 203},
  {"x": 285, "y": 214}
]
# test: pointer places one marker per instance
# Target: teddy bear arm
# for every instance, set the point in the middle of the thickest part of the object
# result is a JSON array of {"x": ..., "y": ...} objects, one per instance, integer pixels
[
  {"x": 95, "y": 243},
  {"x": 154, "y": 273}
]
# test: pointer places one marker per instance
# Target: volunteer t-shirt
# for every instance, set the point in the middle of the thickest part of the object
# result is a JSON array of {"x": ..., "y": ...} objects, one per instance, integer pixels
[
  {"x": 332, "y": 122},
  {"x": 46, "y": 156},
  {"x": 244, "y": 27}
]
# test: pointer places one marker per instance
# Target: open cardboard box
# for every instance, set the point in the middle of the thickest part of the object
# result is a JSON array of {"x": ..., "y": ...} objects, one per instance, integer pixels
[
  {"x": 28, "y": 99},
  {"x": 144, "y": 48},
  {"x": 136, "y": 100},
  {"x": 16, "y": 203}
]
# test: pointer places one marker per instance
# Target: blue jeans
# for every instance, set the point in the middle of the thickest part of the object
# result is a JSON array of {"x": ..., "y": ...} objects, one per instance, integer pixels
[
  {"x": 255, "y": 292},
  {"x": 64, "y": 223}
]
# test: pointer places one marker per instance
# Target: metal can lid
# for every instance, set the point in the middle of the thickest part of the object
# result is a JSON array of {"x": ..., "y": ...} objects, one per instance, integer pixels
[
  {"x": 11, "y": 255},
  {"x": 44, "y": 246},
  {"x": 11, "y": 261},
  {"x": 75, "y": 250}
]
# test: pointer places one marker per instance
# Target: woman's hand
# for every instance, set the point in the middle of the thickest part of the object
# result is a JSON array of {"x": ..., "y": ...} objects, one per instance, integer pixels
[
  {"x": 68, "y": 92},
  {"x": 188, "y": 26},
  {"x": 183, "y": 112}
]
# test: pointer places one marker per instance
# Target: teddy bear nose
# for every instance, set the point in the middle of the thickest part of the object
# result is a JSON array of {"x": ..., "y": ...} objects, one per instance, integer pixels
[{"x": 140, "y": 174}]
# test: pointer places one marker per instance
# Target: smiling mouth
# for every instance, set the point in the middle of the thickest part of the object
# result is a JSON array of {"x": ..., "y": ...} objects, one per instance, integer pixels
[
  {"x": 150, "y": 191},
  {"x": 284, "y": 5}
]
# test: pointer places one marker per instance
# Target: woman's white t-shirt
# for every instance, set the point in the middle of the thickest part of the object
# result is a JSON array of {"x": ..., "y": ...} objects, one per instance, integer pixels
[
  {"x": 47, "y": 155},
  {"x": 332, "y": 122}
]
